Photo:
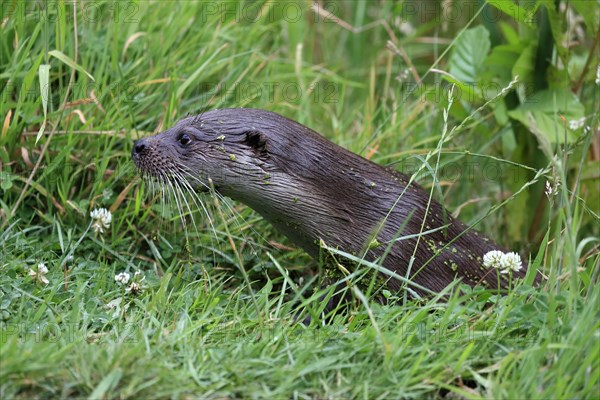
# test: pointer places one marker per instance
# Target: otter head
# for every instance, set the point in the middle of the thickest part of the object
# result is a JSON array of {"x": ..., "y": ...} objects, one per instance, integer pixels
[{"x": 224, "y": 149}]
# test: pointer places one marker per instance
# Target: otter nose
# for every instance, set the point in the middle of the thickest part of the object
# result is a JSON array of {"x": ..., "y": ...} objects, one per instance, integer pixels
[{"x": 138, "y": 147}]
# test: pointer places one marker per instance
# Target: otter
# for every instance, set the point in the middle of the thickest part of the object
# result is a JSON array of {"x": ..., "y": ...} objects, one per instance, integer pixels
[{"x": 323, "y": 197}]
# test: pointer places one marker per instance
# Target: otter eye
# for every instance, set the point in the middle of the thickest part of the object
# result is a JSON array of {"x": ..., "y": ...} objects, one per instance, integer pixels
[{"x": 184, "y": 139}]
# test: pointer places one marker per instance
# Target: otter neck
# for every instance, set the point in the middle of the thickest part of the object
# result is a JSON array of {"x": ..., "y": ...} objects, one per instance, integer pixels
[{"x": 295, "y": 208}]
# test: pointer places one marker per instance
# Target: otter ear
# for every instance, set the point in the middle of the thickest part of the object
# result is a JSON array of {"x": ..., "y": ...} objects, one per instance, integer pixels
[{"x": 257, "y": 141}]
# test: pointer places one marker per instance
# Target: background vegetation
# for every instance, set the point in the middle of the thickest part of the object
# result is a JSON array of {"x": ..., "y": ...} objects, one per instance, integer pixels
[{"x": 82, "y": 79}]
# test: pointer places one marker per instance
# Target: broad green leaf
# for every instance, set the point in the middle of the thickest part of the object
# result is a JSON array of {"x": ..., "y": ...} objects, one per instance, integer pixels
[
  {"x": 499, "y": 64},
  {"x": 524, "y": 68},
  {"x": 461, "y": 90},
  {"x": 511, "y": 36},
  {"x": 70, "y": 62},
  {"x": 468, "y": 54},
  {"x": 549, "y": 113},
  {"x": 45, "y": 91}
]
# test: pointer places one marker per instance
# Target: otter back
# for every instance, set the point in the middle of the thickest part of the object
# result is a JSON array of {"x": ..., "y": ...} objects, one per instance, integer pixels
[{"x": 315, "y": 191}]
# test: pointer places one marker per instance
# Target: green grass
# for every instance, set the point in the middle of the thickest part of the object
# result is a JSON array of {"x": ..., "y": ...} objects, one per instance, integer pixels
[{"x": 198, "y": 329}]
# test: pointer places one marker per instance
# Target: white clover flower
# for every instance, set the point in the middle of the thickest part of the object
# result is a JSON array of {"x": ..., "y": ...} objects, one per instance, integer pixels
[
  {"x": 406, "y": 28},
  {"x": 491, "y": 259},
  {"x": 576, "y": 123},
  {"x": 40, "y": 274},
  {"x": 122, "y": 278},
  {"x": 102, "y": 219},
  {"x": 598, "y": 75},
  {"x": 134, "y": 288},
  {"x": 510, "y": 262},
  {"x": 42, "y": 269}
]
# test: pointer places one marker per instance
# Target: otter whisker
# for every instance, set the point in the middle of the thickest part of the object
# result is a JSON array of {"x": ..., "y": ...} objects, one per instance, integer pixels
[
  {"x": 219, "y": 196},
  {"x": 197, "y": 200},
  {"x": 181, "y": 182},
  {"x": 234, "y": 212},
  {"x": 181, "y": 202},
  {"x": 179, "y": 208},
  {"x": 165, "y": 194}
]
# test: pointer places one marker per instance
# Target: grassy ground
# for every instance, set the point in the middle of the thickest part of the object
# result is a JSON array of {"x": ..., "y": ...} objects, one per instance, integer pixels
[{"x": 197, "y": 329}]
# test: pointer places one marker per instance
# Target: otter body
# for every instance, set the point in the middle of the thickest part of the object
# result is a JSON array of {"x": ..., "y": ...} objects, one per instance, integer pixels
[{"x": 313, "y": 190}]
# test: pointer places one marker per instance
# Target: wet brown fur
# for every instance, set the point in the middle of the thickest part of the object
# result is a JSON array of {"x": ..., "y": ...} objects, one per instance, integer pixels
[{"x": 312, "y": 189}]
